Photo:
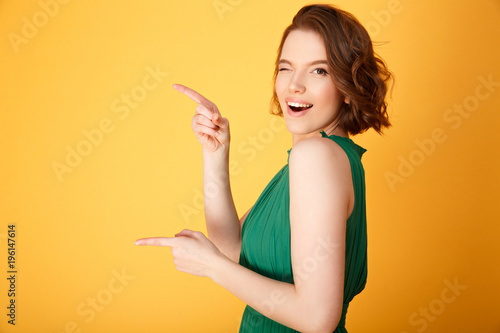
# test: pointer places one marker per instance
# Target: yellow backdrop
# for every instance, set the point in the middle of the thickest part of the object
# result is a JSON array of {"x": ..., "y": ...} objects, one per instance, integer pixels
[{"x": 97, "y": 151}]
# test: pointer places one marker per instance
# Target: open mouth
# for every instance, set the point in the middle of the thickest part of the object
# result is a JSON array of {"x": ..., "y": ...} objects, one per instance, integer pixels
[{"x": 296, "y": 107}]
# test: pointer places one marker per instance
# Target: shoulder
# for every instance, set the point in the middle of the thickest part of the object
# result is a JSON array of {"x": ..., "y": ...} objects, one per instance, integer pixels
[{"x": 319, "y": 154}]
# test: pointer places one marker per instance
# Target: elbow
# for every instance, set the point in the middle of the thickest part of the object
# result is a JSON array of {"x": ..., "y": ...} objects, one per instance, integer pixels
[
  {"x": 323, "y": 328},
  {"x": 323, "y": 323}
]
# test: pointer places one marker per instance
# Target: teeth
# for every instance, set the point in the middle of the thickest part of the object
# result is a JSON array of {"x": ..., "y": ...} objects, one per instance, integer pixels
[{"x": 299, "y": 105}]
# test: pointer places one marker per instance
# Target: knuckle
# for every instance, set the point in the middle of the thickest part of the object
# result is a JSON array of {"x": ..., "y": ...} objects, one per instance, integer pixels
[{"x": 202, "y": 119}]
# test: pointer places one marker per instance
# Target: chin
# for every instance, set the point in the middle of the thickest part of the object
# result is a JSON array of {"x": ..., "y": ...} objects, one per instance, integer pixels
[{"x": 300, "y": 129}]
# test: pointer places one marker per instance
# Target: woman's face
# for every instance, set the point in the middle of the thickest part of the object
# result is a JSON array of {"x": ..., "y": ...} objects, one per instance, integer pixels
[{"x": 307, "y": 94}]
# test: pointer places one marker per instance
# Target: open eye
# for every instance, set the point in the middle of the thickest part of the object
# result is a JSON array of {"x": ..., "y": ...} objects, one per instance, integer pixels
[{"x": 320, "y": 71}]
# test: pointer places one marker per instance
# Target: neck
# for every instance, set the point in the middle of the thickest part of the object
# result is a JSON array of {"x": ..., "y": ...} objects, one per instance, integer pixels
[{"x": 329, "y": 130}]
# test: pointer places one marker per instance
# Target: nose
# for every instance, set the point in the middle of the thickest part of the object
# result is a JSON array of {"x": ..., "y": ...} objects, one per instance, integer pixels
[{"x": 297, "y": 83}]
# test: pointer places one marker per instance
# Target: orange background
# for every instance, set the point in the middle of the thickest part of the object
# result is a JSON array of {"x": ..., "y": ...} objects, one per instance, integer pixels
[{"x": 77, "y": 76}]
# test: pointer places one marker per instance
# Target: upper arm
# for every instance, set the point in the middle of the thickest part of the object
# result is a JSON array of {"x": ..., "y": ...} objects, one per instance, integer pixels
[{"x": 320, "y": 194}]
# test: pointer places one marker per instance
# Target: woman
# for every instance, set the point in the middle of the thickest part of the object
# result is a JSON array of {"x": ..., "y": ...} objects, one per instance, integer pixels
[{"x": 298, "y": 256}]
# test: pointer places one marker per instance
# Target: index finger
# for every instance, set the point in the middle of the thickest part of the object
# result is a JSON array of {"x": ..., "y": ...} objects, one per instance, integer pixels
[
  {"x": 156, "y": 241},
  {"x": 195, "y": 96}
]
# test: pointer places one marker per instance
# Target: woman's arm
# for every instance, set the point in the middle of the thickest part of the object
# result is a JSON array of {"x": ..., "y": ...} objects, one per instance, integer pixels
[
  {"x": 212, "y": 131},
  {"x": 320, "y": 197},
  {"x": 223, "y": 225}
]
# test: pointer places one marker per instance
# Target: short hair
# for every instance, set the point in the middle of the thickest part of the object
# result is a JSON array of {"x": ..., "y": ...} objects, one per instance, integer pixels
[{"x": 358, "y": 72}]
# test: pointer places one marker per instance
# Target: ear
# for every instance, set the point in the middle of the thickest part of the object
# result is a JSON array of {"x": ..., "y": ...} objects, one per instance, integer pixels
[{"x": 347, "y": 100}]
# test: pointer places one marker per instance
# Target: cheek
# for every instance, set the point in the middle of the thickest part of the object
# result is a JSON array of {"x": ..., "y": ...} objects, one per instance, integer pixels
[
  {"x": 280, "y": 85},
  {"x": 329, "y": 94},
  {"x": 280, "y": 88}
]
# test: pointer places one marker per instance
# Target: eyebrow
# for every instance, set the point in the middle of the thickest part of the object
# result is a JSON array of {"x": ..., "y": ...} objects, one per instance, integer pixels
[{"x": 316, "y": 62}]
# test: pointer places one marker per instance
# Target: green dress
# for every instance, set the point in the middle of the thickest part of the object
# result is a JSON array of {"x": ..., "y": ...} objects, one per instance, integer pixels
[{"x": 265, "y": 236}]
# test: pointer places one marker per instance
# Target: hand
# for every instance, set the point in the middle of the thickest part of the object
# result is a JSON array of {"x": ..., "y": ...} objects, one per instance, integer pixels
[
  {"x": 210, "y": 128},
  {"x": 193, "y": 252}
]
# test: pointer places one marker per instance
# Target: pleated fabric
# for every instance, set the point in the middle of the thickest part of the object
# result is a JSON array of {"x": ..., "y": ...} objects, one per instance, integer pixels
[{"x": 266, "y": 239}]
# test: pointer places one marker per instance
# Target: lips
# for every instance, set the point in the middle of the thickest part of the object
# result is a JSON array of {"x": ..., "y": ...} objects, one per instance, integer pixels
[
  {"x": 297, "y": 105},
  {"x": 298, "y": 111}
]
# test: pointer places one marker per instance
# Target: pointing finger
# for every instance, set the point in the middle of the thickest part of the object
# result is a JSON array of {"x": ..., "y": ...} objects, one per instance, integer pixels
[
  {"x": 156, "y": 241},
  {"x": 195, "y": 96}
]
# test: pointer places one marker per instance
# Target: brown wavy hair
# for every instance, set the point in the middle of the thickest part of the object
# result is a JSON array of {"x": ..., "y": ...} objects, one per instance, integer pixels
[{"x": 358, "y": 72}]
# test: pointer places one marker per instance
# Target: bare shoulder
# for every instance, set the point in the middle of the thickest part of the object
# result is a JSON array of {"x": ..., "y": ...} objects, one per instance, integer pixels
[{"x": 319, "y": 154}]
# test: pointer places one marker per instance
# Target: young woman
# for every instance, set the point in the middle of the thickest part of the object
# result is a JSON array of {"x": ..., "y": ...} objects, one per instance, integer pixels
[{"x": 298, "y": 256}]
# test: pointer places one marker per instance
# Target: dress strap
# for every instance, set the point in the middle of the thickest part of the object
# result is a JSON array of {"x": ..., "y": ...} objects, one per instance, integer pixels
[{"x": 341, "y": 139}]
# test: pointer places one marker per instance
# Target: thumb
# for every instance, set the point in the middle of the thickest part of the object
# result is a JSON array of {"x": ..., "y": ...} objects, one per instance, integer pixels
[
  {"x": 220, "y": 121},
  {"x": 185, "y": 233}
]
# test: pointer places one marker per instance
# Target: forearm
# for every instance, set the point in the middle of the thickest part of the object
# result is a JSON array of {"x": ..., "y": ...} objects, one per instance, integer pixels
[
  {"x": 280, "y": 301},
  {"x": 220, "y": 212}
]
